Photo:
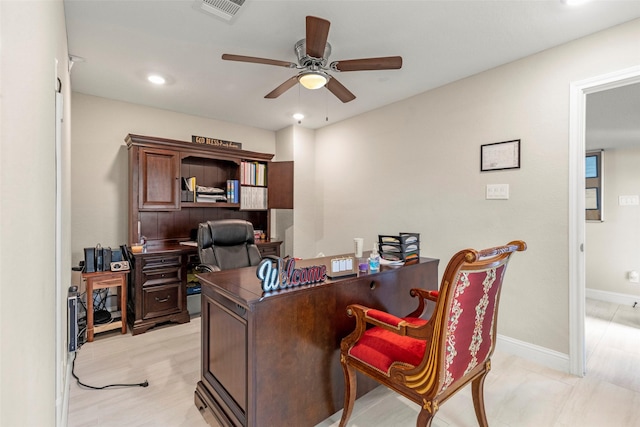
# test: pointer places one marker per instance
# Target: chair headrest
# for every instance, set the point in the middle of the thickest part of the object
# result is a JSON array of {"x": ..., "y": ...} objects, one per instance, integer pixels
[{"x": 231, "y": 232}]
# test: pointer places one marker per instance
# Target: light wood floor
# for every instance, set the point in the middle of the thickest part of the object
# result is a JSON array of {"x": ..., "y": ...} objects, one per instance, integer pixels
[{"x": 518, "y": 393}]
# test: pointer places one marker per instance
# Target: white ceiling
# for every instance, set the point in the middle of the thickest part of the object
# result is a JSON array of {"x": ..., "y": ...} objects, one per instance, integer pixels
[{"x": 440, "y": 42}]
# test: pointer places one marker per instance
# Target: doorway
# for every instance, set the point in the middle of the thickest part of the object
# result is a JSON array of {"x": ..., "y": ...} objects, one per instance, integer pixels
[{"x": 577, "y": 147}]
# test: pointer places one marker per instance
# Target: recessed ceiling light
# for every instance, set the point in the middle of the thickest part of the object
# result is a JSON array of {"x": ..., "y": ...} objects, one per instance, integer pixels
[
  {"x": 298, "y": 116},
  {"x": 156, "y": 79}
]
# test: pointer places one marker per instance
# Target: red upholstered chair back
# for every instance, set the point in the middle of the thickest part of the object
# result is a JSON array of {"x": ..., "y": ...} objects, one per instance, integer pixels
[{"x": 470, "y": 326}]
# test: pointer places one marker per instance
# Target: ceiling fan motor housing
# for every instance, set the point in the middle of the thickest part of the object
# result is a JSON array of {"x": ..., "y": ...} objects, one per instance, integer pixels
[{"x": 310, "y": 62}]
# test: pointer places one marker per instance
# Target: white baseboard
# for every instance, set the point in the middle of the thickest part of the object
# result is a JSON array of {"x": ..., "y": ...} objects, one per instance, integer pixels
[
  {"x": 550, "y": 358},
  {"x": 614, "y": 297},
  {"x": 65, "y": 395},
  {"x": 543, "y": 356}
]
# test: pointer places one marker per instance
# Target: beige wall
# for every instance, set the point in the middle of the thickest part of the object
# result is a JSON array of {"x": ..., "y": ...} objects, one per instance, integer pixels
[
  {"x": 100, "y": 162},
  {"x": 32, "y": 320},
  {"x": 414, "y": 166},
  {"x": 613, "y": 246}
]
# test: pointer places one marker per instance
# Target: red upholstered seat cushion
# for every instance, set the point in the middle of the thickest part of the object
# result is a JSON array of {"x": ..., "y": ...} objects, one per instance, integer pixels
[{"x": 380, "y": 348}]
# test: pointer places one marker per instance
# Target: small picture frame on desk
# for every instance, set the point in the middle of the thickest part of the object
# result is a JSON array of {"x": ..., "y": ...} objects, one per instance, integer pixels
[{"x": 500, "y": 156}]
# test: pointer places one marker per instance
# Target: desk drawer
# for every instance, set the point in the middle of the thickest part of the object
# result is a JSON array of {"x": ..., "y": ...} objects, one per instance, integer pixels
[
  {"x": 266, "y": 250},
  {"x": 161, "y": 276},
  {"x": 161, "y": 262},
  {"x": 108, "y": 282},
  {"x": 161, "y": 300}
]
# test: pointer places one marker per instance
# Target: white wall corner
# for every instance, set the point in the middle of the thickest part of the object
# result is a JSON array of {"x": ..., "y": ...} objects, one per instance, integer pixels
[{"x": 543, "y": 356}]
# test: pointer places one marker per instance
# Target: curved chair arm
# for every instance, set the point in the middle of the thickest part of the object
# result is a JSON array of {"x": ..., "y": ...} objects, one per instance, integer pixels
[
  {"x": 422, "y": 294},
  {"x": 365, "y": 315},
  {"x": 206, "y": 268}
]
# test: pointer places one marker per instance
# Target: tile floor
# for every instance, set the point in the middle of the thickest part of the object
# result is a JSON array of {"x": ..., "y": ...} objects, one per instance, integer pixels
[{"x": 518, "y": 393}]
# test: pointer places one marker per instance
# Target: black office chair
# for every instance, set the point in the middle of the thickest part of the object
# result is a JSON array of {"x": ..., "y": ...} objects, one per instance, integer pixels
[{"x": 225, "y": 244}]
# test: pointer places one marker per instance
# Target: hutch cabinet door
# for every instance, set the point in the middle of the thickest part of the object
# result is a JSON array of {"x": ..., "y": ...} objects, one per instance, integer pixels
[
  {"x": 159, "y": 179},
  {"x": 280, "y": 182}
]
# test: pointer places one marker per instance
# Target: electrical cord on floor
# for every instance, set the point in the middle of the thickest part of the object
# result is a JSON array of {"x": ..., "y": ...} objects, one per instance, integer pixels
[{"x": 80, "y": 383}]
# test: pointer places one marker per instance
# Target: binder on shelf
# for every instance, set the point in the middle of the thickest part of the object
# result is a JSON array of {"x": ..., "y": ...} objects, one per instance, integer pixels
[
  {"x": 232, "y": 190},
  {"x": 253, "y": 173},
  {"x": 261, "y": 175},
  {"x": 253, "y": 198},
  {"x": 236, "y": 191},
  {"x": 188, "y": 193}
]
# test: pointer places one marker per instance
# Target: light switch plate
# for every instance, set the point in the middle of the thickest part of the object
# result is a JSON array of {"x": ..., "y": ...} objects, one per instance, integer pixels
[
  {"x": 497, "y": 192},
  {"x": 628, "y": 200}
]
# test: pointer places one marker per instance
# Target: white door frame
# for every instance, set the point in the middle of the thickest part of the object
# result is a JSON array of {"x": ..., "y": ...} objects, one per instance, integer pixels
[{"x": 577, "y": 289}]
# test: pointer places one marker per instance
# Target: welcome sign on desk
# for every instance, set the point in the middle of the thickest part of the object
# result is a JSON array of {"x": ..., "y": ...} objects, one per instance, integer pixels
[{"x": 275, "y": 274}]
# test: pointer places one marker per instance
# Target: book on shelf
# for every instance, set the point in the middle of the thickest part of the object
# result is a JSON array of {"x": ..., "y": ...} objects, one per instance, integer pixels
[
  {"x": 261, "y": 174},
  {"x": 233, "y": 188},
  {"x": 189, "y": 183},
  {"x": 210, "y": 198},
  {"x": 253, "y": 173},
  {"x": 189, "y": 186},
  {"x": 253, "y": 198}
]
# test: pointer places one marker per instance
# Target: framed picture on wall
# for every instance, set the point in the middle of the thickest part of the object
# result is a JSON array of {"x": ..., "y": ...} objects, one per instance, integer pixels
[
  {"x": 591, "y": 201},
  {"x": 500, "y": 156},
  {"x": 593, "y": 174}
]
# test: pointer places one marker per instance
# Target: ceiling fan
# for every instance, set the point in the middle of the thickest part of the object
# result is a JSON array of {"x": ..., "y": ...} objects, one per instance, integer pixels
[{"x": 313, "y": 54}]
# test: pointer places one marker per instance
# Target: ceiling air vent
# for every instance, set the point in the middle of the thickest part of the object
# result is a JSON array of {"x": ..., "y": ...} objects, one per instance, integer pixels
[{"x": 225, "y": 9}]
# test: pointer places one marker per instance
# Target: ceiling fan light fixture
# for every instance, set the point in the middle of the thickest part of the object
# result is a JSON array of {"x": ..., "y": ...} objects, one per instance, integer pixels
[{"x": 313, "y": 79}]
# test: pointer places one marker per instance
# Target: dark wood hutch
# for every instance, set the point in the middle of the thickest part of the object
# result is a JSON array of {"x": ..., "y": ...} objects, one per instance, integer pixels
[{"x": 158, "y": 283}]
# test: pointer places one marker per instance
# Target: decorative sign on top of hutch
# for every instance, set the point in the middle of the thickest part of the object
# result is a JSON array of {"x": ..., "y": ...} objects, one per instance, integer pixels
[{"x": 215, "y": 142}]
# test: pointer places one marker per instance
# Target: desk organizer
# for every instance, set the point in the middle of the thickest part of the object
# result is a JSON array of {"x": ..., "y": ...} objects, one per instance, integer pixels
[{"x": 403, "y": 247}]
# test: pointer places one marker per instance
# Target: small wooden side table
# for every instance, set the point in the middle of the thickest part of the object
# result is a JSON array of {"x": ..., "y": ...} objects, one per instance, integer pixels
[{"x": 101, "y": 280}]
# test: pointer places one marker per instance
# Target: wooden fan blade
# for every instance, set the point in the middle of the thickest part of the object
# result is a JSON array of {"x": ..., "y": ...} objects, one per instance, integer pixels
[
  {"x": 383, "y": 63},
  {"x": 288, "y": 84},
  {"x": 336, "y": 88},
  {"x": 252, "y": 59},
  {"x": 317, "y": 33}
]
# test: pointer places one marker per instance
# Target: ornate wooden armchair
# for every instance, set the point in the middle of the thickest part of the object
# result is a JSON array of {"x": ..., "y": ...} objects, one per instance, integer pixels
[{"x": 429, "y": 361}]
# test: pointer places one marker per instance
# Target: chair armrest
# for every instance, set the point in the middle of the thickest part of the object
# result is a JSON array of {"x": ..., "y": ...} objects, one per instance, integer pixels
[
  {"x": 365, "y": 315},
  {"x": 423, "y": 295},
  {"x": 207, "y": 268}
]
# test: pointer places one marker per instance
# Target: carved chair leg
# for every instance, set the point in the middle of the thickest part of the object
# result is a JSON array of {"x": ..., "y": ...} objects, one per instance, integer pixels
[
  {"x": 350, "y": 390},
  {"x": 424, "y": 418},
  {"x": 477, "y": 391}
]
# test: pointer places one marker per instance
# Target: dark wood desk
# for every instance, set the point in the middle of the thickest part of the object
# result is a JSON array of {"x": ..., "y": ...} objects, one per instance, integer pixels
[{"x": 273, "y": 359}]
